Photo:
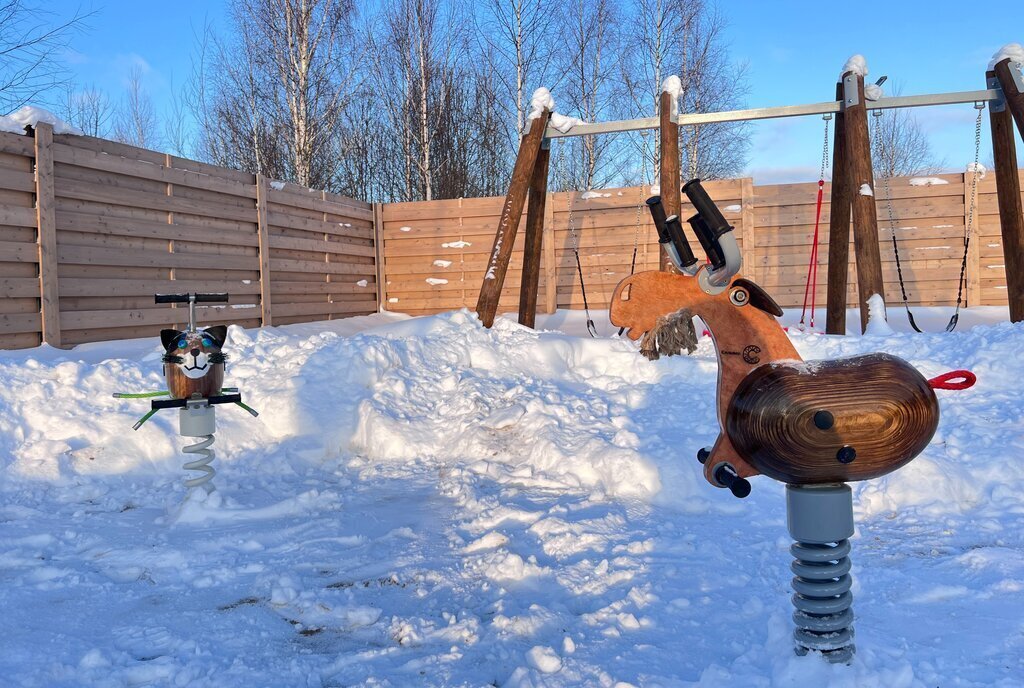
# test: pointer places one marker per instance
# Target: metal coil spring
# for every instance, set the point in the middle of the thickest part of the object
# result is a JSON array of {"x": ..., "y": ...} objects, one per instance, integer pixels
[
  {"x": 202, "y": 464},
  {"x": 822, "y": 599}
]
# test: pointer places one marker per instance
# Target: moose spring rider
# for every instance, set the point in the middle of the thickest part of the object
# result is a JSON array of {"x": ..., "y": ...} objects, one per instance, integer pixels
[
  {"x": 814, "y": 425},
  {"x": 194, "y": 371}
]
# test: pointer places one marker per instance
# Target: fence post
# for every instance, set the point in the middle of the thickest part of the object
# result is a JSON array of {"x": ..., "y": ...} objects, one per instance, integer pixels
[
  {"x": 263, "y": 230},
  {"x": 46, "y": 226},
  {"x": 378, "y": 256},
  {"x": 749, "y": 237},
  {"x": 865, "y": 213}
]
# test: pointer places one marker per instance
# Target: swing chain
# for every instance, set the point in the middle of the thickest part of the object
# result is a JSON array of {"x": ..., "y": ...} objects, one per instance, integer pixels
[
  {"x": 824, "y": 149},
  {"x": 591, "y": 327},
  {"x": 974, "y": 200}
]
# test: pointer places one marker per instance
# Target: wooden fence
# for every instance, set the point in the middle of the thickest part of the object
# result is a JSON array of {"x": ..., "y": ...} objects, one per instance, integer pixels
[
  {"x": 91, "y": 229},
  {"x": 435, "y": 253}
]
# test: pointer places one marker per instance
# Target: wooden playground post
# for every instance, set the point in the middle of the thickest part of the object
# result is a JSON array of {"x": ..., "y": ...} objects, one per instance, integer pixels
[
  {"x": 861, "y": 180},
  {"x": 1011, "y": 81},
  {"x": 1011, "y": 212},
  {"x": 669, "y": 166},
  {"x": 838, "y": 228},
  {"x": 511, "y": 214},
  {"x": 535, "y": 214}
]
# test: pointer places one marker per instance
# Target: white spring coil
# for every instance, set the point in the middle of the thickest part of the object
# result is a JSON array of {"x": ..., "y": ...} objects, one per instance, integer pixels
[{"x": 201, "y": 464}]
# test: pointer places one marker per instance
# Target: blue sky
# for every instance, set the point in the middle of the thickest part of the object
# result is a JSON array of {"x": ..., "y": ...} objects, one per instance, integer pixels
[{"x": 794, "y": 51}]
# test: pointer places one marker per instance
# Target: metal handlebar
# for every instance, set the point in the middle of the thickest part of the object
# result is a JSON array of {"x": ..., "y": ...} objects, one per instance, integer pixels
[{"x": 716, "y": 237}]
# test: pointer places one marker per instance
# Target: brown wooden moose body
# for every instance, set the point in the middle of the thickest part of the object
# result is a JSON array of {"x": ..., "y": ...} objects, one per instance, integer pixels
[{"x": 799, "y": 422}]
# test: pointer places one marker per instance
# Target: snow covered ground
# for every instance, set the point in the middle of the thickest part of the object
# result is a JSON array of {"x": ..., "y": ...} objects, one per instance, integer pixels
[{"x": 426, "y": 502}]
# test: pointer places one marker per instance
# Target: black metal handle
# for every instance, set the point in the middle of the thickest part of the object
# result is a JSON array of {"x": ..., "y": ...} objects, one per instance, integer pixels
[
  {"x": 212, "y": 298},
  {"x": 708, "y": 224},
  {"x": 184, "y": 298},
  {"x": 708, "y": 242},
  {"x": 157, "y": 404},
  {"x": 675, "y": 233},
  {"x": 670, "y": 232},
  {"x": 170, "y": 298},
  {"x": 727, "y": 477}
]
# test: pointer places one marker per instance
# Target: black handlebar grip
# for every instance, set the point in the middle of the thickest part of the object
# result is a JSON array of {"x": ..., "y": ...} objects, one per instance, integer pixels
[
  {"x": 706, "y": 208},
  {"x": 726, "y": 476},
  {"x": 658, "y": 215},
  {"x": 170, "y": 298},
  {"x": 708, "y": 241},
  {"x": 212, "y": 298},
  {"x": 675, "y": 232}
]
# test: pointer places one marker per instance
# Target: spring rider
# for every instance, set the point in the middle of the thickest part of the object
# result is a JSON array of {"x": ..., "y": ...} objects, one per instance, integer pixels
[
  {"x": 813, "y": 425},
  {"x": 194, "y": 370}
]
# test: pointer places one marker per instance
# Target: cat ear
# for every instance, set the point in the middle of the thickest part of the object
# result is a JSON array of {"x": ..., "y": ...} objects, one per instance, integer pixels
[
  {"x": 218, "y": 332},
  {"x": 168, "y": 337}
]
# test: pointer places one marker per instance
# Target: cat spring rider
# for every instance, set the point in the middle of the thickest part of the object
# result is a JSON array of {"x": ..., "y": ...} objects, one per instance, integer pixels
[
  {"x": 813, "y": 425},
  {"x": 194, "y": 370}
]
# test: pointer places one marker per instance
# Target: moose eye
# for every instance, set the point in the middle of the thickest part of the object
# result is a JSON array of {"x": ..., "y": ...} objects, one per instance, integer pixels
[
  {"x": 207, "y": 340},
  {"x": 181, "y": 343}
]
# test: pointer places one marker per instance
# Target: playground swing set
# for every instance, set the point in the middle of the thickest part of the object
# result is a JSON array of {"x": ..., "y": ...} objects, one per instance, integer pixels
[{"x": 814, "y": 426}]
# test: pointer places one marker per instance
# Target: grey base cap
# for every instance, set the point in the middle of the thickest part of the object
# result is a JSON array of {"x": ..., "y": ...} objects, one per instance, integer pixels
[
  {"x": 819, "y": 514},
  {"x": 197, "y": 421}
]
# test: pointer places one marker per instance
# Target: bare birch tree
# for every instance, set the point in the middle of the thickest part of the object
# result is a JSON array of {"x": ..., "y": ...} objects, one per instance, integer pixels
[
  {"x": 31, "y": 42},
  {"x": 899, "y": 145},
  {"x": 135, "y": 122},
  {"x": 589, "y": 92},
  {"x": 88, "y": 109}
]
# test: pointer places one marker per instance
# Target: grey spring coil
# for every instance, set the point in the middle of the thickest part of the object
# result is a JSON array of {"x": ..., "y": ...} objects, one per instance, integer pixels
[
  {"x": 822, "y": 599},
  {"x": 201, "y": 463}
]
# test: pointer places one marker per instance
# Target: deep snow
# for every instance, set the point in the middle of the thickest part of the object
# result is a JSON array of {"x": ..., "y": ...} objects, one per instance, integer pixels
[{"x": 431, "y": 503}]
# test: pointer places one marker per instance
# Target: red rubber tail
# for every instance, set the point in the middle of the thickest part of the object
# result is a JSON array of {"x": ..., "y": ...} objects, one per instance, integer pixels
[{"x": 954, "y": 380}]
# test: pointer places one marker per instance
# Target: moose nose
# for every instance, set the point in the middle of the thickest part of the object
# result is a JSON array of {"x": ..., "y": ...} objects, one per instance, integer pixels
[{"x": 194, "y": 352}]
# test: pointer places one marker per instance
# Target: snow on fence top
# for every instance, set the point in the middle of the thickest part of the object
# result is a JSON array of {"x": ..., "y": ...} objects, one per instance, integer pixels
[
  {"x": 1014, "y": 51},
  {"x": 30, "y": 116},
  {"x": 856, "y": 64}
]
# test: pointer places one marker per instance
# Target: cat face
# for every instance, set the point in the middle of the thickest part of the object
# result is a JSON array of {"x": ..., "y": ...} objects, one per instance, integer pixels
[{"x": 195, "y": 353}]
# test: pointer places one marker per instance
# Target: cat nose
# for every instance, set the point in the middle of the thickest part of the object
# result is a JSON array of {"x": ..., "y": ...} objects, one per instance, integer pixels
[{"x": 194, "y": 352}]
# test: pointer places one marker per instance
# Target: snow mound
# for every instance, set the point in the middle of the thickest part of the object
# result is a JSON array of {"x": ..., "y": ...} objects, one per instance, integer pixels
[
  {"x": 540, "y": 100},
  {"x": 877, "y": 322},
  {"x": 978, "y": 169},
  {"x": 1014, "y": 51},
  {"x": 873, "y": 92},
  {"x": 30, "y": 116},
  {"x": 856, "y": 64}
]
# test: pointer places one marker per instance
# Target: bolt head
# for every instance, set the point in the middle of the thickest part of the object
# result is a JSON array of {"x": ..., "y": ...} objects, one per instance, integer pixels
[{"x": 846, "y": 455}]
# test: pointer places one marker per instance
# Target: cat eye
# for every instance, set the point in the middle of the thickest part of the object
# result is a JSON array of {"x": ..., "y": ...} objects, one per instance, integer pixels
[
  {"x": 207, "y": 340},
  {"x": 182, "y": 342}
]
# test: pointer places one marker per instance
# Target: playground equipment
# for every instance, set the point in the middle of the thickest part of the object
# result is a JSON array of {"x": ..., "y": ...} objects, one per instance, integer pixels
[
  {"x": 814, "y": 426},
  {"x": 851, "y": 172},
  {"x": 194, "y": 370}
]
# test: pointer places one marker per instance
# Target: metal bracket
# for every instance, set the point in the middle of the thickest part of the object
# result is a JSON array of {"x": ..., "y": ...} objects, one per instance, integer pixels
[
  {"x": 999, "y": 104},
  {"x": 1017, "y": 74},
  {"x": 850, "y": 91}
]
